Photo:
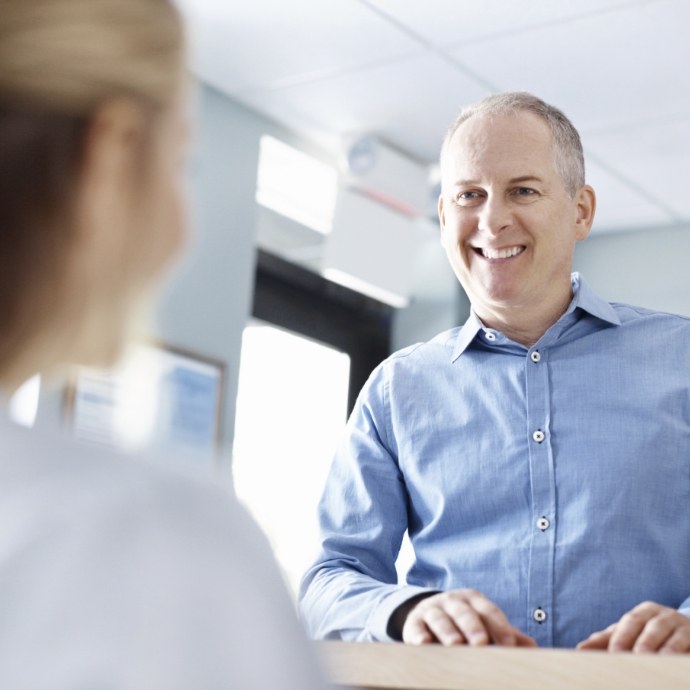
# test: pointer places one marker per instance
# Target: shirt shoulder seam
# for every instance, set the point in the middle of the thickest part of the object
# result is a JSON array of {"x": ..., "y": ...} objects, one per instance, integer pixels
[{"x": 645, "y": 311}]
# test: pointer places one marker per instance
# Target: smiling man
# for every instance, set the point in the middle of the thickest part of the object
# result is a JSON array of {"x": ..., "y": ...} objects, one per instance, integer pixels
[
  {"x": 539, "y": 455},
  {"x": 510, "y": 220}
]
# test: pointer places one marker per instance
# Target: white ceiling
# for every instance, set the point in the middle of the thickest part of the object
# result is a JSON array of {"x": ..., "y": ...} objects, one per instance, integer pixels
[{"x": 402, "y": 69}]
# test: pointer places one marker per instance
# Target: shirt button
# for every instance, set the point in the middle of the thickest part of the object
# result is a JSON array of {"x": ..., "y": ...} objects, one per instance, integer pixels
[
  {"x": 490, "y": 335},
  {"x": 539, "y": 615},
  {"x": 543, "y": 523},
  {"x": 535, "y": 356},
  {"x": 538, "y": 436}
]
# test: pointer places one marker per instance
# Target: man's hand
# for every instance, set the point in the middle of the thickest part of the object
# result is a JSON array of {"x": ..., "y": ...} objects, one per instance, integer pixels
[
  {"x": 462, "y": 616},
  {"x": 649, "y": 627}
]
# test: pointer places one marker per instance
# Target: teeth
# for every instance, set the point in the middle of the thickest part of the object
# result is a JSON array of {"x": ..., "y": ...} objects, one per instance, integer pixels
[{"x": 501, "y": 253}]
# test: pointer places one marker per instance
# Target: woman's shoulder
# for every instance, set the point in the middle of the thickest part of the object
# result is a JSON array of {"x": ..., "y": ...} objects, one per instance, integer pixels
[
  {"x": 134, "y": 559},
  {"x": 48, "y": 477}
]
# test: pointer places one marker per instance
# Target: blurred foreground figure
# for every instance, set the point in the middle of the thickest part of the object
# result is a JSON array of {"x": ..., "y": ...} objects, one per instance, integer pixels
[{"x": 113, "y": 573}]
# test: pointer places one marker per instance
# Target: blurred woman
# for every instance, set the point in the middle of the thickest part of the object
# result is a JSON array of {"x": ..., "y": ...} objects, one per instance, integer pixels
[{"x": 113, "y": 573}]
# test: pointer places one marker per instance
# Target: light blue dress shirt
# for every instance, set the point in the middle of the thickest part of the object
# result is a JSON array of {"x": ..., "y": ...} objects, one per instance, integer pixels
[{"x": 554, "y": 479}]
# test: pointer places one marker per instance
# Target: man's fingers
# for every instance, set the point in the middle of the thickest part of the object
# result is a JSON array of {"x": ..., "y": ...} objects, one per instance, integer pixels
[
  {"x": 678, "y": 642},
  {"x": 658, "y": 629},
  {"x": 522, "y": 640},
  {"x": 448, "y": 619},
  {"x": 444, "y": 627},
  {"x": 666, "y": 630},
  {"x": 630, "y": 626},
  {"x": 461, "y": 617},
  {"x": 500, "y": 631},
  {"x": 434, "y": 627},
  {"x": 597, "y": 640},
  {"x": 430, "y": 623},
  {"x": 416, "y": 632},
  {"x": 649, "y": 627},
  {"x": 469, "y": 622}
]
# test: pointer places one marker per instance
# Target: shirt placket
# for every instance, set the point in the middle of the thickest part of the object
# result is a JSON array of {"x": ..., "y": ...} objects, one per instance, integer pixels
[{"x": 540, "y": 597}]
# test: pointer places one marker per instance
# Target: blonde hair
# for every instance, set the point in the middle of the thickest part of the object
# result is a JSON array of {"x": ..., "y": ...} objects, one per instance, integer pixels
[
  {"x": 59, "y": 61},
  {"x": 69, "y": 55}
]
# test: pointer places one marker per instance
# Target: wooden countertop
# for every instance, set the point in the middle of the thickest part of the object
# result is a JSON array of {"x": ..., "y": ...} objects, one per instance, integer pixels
[{"x": 386, "y": 666}]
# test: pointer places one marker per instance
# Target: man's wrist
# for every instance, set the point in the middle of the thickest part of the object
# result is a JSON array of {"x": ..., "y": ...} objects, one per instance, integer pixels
[{"x": 397, "y": 619}]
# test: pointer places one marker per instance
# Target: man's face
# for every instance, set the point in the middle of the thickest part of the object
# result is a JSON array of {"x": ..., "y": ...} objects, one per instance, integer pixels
[{"x": 508, "y": 225}]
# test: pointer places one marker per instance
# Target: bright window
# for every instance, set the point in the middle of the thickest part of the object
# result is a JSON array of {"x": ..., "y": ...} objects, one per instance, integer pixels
[
  {"x": 23, "y": 405},
  {"x": 296, "y": 185},
  {"x": 291, "y": 412}
]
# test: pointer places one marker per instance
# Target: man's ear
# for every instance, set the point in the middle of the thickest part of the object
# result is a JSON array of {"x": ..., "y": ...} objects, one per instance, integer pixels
[
  {"x": 586, "y": 204},
  {"x": 441, "y": 214}
]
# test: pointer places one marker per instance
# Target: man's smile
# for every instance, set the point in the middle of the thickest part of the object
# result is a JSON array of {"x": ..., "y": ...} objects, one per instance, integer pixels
[{"x": 503, "y": 253}]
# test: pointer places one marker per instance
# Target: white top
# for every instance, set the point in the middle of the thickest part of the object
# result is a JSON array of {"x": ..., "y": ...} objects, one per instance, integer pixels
[{"x": 115, "y": 573}]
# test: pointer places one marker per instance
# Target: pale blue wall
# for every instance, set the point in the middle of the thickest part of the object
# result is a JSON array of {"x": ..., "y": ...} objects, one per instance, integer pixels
[
  {"x": 209, "y": 301},
  {"x": 648, "y": 268}
]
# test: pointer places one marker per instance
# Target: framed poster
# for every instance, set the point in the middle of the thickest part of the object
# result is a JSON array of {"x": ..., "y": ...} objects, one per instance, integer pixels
[{"x": 160, "y": 397}]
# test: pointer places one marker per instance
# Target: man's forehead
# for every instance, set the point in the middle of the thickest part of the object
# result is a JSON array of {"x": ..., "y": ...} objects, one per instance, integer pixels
[
  {"x": 519, "y": 141},
  {"x": 480, "y": 130}
]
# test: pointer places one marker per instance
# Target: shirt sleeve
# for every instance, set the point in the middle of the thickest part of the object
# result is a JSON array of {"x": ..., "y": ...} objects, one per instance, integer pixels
[{"x": 351, "y": 590}]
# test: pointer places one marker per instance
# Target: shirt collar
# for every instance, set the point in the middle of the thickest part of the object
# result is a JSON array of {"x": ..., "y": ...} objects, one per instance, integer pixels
[
  {"x": 466, "y": 335},
  {"x": 584, "y": 298}
]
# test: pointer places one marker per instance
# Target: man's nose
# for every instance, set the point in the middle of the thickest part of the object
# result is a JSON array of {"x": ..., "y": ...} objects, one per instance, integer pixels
[{"x": 495, "y": 215}]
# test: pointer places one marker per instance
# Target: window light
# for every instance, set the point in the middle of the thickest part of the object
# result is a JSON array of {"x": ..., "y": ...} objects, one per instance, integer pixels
[
  {"x": 296, "y": 185},
  {"x": 23, "y": 405}
]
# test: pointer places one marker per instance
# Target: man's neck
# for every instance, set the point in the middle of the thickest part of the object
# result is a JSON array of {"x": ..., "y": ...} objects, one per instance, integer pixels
[{"x": 525, "y": 325}]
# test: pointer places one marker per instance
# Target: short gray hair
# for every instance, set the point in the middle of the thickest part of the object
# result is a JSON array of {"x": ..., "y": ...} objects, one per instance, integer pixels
[{"x": 569, "y": 159}]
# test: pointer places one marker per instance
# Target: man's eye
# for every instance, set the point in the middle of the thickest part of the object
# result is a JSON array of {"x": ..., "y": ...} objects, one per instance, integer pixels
[
  {"x": 467, "y": 196},
  {"x": 524, "y": 191}
]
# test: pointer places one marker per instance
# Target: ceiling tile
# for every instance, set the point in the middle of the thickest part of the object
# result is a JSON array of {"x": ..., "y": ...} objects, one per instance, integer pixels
[
  {"x": 268, "y": 43},
  {"x": 605, "y": 70},
  {"x": 410, "y": 103},
  {"x": 654, "y": 158},
  {"x": 619, "y": 207},
  {"x": 450, "y": 22}
]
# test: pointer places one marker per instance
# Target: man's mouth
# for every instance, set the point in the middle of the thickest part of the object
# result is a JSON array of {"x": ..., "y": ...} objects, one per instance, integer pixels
[{"x": 503, "y": 253}]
